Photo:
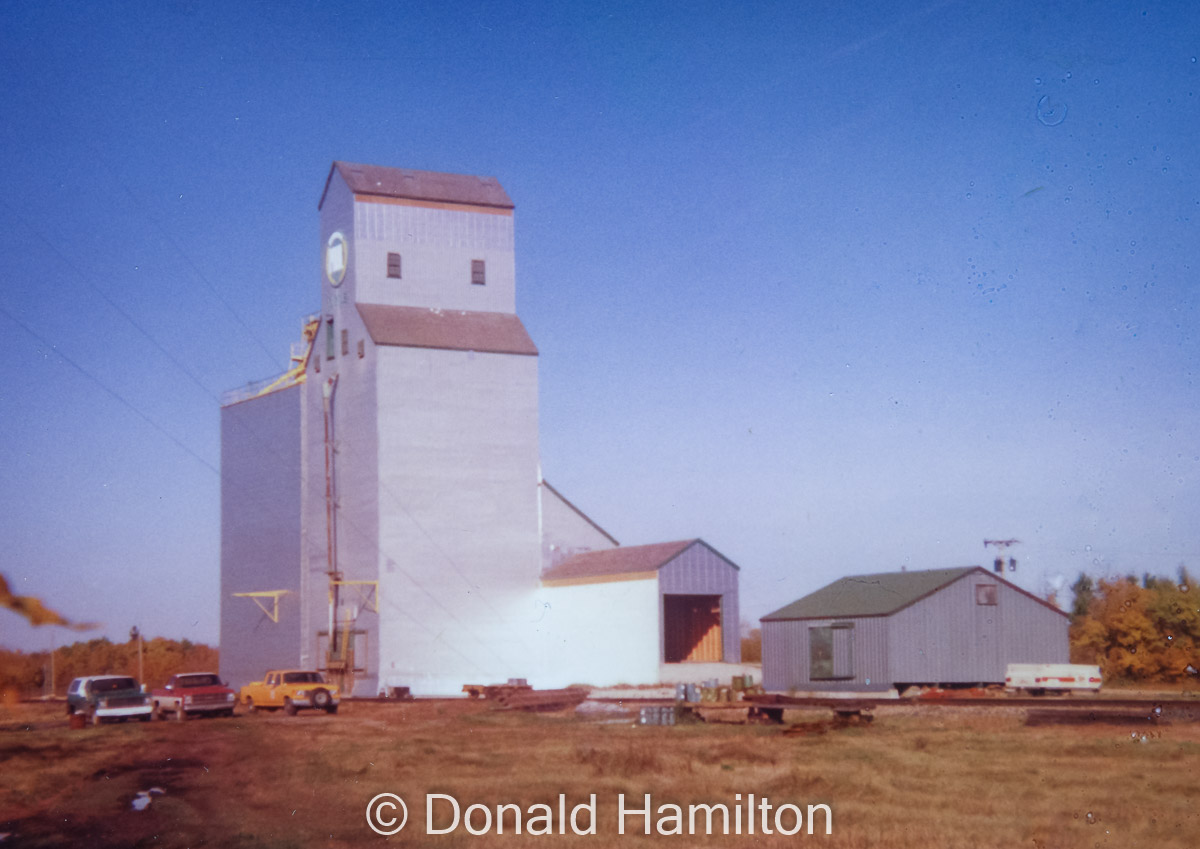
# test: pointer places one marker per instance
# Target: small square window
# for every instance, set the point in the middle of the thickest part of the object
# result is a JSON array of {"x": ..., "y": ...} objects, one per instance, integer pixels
[
  {"x": 478, "y": 274},
  {"x": 345, "y": 341},
  {"x": 393, "y": 266},
  {"x": 986, "y": 594}
]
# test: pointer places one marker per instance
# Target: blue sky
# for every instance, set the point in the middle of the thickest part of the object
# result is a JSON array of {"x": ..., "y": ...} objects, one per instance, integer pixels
[{"x": 838, "y": 289}]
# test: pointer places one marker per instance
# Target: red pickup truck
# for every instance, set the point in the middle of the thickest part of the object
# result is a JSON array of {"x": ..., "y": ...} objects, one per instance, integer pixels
[{"x": 193, "y": 694}]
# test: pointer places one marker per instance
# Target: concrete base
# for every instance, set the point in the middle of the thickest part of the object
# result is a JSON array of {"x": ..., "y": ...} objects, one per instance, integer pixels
[
  {"x": 694, "y": 673},
  {"x": 670, "y": 674}
]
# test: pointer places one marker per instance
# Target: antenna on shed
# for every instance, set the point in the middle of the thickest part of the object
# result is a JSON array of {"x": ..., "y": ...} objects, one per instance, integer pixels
[{"x": 1002, "y": 545}]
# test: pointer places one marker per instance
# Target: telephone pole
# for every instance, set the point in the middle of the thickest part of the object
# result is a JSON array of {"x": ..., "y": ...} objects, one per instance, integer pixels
[{"x": 135, "y": 634}]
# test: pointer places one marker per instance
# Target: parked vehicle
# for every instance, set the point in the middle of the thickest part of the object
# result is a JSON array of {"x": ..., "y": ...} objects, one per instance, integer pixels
[
  {"x": 193, "y": 694},
  {"x": 290, "y": 690},
  {"x": 101, "y": 697},
  {"x": 1040, "y": 678}
]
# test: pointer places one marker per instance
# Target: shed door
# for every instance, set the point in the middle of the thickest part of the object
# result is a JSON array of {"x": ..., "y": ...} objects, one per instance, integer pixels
[{"x": 692, "y": 628}]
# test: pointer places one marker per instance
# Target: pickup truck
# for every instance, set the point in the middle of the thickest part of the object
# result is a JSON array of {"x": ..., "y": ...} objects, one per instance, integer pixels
[
  {"x": 290, "y": 690},
  {"x": 193, "y": 694},
  {"x": 101, "y": 697}
]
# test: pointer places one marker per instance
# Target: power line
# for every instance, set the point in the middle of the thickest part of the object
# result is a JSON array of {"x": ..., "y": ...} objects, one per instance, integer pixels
[
  {"x": 200, "y": 274},
  {"x": 98, "y": 155},
  {"x": 111, "y": 392},
  {"x": 271, "y": 447},
  {"x": 192, "y": 376},
  {"x": 119, "y": 310},
  {"x": 342, "y": 445}
]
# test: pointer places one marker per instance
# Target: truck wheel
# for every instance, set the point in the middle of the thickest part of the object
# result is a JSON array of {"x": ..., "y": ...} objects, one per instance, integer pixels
[
  {"x": 289, "y": 707},
  {"x": 321, "y": 699}
]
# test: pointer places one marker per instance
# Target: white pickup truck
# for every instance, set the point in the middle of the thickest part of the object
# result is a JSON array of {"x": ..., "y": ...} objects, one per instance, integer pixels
[{"x": 1040, "y": 678}]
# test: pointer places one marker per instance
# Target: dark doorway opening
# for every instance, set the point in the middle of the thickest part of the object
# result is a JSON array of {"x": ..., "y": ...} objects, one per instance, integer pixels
[{"x": 692, "y": 628}]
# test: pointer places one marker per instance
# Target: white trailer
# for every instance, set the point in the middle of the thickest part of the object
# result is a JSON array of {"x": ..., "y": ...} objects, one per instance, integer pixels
[{"x": 1039, "y": 678}]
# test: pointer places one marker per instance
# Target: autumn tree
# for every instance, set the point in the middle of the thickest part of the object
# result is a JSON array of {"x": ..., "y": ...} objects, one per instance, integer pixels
[
  {"x": 1147, "y": 630},
  {"x": 26, "y": 674}
]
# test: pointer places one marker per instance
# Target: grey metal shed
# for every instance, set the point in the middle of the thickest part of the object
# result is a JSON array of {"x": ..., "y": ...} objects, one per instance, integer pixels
[{"x": 952, "y": 627}]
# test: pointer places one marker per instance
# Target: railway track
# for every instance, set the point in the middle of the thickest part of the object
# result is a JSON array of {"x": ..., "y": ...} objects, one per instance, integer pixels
[{"x": 1153, "y": 708}]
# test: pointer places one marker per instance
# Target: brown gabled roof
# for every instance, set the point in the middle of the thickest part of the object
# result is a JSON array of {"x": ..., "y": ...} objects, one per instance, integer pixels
[
  {"x": 431, "y": 186},
  {"x": 625, "y": 560},
  {"x": 454, "y": 330}
]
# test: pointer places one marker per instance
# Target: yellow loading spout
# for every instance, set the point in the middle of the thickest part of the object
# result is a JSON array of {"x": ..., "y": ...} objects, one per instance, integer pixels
[{"x": 294, "y": 376}]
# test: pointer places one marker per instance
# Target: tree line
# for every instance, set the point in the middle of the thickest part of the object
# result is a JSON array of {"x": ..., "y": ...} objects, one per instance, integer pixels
[
  {"x": 27, "y": 675},
  {"x": 1144, "y": 629}
]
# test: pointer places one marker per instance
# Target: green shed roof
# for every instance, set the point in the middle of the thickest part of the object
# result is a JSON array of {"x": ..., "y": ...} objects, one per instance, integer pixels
[{"x": 869, "y": 595}]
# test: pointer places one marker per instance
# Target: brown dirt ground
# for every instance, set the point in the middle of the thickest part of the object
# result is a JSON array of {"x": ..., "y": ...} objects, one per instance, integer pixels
[{"x": 914, "y": 777}]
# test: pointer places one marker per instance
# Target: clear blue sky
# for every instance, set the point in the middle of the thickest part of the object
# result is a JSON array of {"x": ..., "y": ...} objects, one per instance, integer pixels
[{"x": 837, "y": 288}]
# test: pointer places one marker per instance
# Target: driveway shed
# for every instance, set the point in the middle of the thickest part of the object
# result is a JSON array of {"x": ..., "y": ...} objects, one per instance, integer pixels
[{"x": 619, "y": 613}]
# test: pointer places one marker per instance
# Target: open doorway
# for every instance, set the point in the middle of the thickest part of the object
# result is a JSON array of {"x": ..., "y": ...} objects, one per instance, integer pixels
[{"x": 692, "y": 628}]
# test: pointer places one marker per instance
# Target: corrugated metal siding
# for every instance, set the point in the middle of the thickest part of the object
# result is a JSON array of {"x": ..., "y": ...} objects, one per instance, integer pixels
[
  {"x": 356, "y": 465},
  {"x": 948, "y": 638},
  {"x": 437, "y": 247},
  {"x": 786, "y": 655},
  {"x": 843, "y": 651},
  {"x": 356, "y": 494},
  {"x": 1033, "y": 633},
  {"x": 699, "y": 570},
  {"x": 458, "y": 534},
  {"x": 260, "y": 533}
]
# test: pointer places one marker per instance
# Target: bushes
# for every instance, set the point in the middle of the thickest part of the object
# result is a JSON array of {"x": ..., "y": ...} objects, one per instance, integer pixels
[
  {"x": 25, "y": 674},
  {"x": 1147, "y": 631}
]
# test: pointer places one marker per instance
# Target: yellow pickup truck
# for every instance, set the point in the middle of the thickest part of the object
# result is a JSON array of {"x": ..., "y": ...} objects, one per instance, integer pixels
[{"x": 290, "y": 690}]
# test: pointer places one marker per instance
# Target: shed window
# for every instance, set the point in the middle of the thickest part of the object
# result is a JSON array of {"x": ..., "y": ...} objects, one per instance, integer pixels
[
  {"x": 478, "y": 275},
  {"x": 393, "y": 266},
  {"x": 986, "y": 594},
  {"x": 330, "y": 351},
  {"x": 345, "y": 341},
  {"x": 831, "y": 652}
]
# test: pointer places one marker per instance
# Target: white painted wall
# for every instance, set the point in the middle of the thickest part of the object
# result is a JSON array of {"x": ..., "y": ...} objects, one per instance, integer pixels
[{"x": 602, "y": 634}]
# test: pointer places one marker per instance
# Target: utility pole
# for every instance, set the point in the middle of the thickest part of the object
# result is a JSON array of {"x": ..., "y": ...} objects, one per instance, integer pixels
[
  {"x": 135, "y": 634},
  {"x": 1001, "y": 546}
]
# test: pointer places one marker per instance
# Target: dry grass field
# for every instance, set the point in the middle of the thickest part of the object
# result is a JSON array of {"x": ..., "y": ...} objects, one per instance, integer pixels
[{"x": 914, "y": 778}]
